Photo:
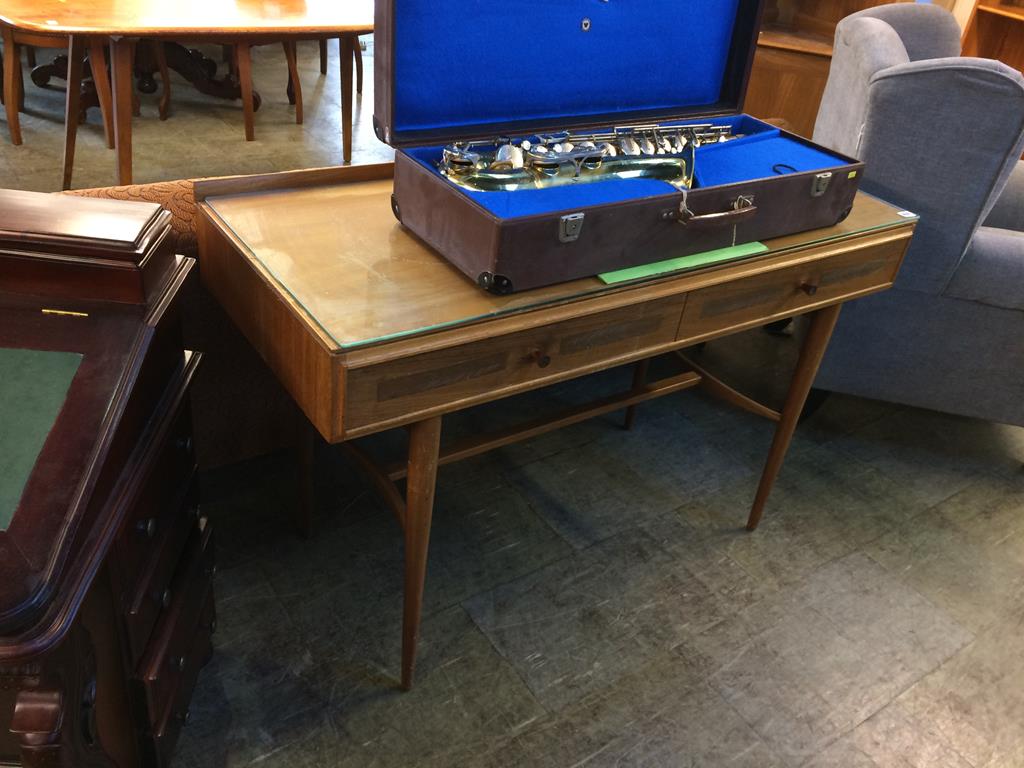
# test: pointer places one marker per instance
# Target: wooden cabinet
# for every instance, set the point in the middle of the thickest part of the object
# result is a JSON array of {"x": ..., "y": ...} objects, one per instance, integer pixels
[
  {"x": 995, "y": 30},
  {"x": 106, "y": 561},
  {"x": 794, "y": 51}
]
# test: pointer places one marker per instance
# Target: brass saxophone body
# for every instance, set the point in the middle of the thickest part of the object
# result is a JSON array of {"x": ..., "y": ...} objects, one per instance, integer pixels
[{"x": 645, "y": 151}]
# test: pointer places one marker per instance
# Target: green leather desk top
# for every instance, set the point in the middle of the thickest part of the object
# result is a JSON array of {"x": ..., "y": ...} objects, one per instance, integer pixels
[{"x": 33, "y": 385}]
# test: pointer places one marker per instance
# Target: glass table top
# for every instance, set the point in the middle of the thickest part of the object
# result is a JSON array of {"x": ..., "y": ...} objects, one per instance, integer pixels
[{"x": 341, "y": 256}]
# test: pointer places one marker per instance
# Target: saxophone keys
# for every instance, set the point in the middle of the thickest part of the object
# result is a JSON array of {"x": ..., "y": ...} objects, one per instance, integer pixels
[
  {"x": 629, "y": 146},
  {"x": 508, "y": 157},
  {"x": 608, "y": 149},
  {"x": 647, "y": 147}
]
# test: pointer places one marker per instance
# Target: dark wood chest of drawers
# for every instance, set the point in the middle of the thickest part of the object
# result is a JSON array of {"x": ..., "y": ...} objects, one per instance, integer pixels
[{"x": 106, "y": 560}]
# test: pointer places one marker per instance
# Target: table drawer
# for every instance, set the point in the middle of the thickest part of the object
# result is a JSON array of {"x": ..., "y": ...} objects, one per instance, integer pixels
[
  {"x": 159, "y": 501},
  {"x": 155, "y": 590},
  {"x": 485, "y": 370},
  {"x": 790, "y": 290},
  {"x": 169, "y": 655}
]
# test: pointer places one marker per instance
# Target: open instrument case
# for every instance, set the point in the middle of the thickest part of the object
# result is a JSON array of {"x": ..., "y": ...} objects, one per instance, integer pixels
[{"x": 458, "y": 71}]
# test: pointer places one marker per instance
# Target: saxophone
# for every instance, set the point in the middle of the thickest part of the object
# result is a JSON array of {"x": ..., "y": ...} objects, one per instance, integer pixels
[{"x": 641, "y": 151}]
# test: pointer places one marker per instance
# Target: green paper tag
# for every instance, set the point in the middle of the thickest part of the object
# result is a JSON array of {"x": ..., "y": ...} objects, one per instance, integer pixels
[{"x": 683, "y": 262}]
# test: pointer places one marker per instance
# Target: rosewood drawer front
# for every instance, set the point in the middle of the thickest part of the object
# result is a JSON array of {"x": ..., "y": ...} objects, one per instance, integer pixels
[
  {"x": 483, "y": 370},
  {"x": 166, "y": 733},
  {"x": 790, "y": 290},
  {"x": 159, "y": 502},
  {"x": 155, "y": 591},
  {"x": 169, "y": 655}
]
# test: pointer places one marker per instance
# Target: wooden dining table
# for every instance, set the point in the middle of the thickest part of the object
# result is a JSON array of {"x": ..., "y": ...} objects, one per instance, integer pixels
[{"x": 124, "y": 21}]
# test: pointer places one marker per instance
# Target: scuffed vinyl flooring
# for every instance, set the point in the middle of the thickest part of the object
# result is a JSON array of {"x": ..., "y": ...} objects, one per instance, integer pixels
[{"x": 593, "y": 600}]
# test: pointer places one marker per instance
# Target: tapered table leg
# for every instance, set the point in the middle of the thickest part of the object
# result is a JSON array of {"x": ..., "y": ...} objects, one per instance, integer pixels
[
  {"x": 72, "y": 103},
  {"x": 244, "y": 54},
  {"x": 639, "y": 377},
  {"x": 813, "y": 349},
  {"x": 424, "y": 441},
  {"x": 357, "y": 54},
  {"x": 346, "y": 53},
  {"x": 12, "y": 79},
  {"x": 101, "y": 80},
  {"x": 121, "y": 64}
]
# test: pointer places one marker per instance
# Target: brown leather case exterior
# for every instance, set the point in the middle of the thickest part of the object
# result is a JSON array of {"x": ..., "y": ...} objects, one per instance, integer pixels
[{"x": 518, "y": 254}]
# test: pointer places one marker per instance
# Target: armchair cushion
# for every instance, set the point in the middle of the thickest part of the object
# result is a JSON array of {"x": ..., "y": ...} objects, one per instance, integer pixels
[
  {"x": 1008, "y": 211},
  {"x": 927, "y": 31},
  {"x": 992, "y": 270}
]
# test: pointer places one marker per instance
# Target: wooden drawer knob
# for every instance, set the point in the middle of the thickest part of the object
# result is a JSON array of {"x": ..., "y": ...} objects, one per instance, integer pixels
[
  {"x": 542, "y": 359},
  {"x": 809, "y": 288}
]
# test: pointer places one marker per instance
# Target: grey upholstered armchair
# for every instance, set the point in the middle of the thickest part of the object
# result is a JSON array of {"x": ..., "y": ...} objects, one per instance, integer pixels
[{"x": 941, "y": 136}]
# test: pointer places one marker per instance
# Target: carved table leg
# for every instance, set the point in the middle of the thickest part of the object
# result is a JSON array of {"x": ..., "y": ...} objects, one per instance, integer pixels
[
  {"x": 58, "y": 68},
  {"x": 424, "y": 442},
  {"x": 37, "y": 724},
  {"x": 160, "y": 52},
  {"x": 813, "y": 349},
  {"x": 201, "y": 72}
]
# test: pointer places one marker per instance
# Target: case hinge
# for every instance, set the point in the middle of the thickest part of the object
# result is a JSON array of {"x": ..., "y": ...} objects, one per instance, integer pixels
[{"x": 569, "y": 227}]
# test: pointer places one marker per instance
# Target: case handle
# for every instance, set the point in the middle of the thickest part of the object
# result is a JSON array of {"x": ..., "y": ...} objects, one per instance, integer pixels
[{"x": 742, "y": 208}]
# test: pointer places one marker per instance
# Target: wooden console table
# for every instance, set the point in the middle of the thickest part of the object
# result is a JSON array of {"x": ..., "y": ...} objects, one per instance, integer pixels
[
  {"x": 251, "y": 21},
  {"x": 369, "y": 329}
]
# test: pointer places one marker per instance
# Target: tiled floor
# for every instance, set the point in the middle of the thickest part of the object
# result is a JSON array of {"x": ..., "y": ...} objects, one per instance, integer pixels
[
  {"x": 203, "y": 136},
  {"x": 592, "y": 598}
]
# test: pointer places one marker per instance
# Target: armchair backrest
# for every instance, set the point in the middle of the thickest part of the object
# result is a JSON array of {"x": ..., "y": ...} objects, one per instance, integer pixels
[{"x": 939, "y": 133}]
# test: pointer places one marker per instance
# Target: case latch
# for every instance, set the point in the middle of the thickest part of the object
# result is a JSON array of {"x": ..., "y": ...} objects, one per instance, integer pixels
[
  {"x": 820, "y": 183},
  {"x": 569, "y": 227}
]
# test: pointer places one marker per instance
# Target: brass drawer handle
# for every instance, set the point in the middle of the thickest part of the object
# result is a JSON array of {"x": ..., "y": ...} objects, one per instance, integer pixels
[
  {"x": 147, "y": 527},
  {"x": 809, "y": 288}
]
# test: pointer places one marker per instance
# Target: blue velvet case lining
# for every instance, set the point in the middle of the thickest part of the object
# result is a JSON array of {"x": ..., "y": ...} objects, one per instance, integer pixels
[
  {"x": 482, "y": 61},
  {"x": 761, "y": 152}
]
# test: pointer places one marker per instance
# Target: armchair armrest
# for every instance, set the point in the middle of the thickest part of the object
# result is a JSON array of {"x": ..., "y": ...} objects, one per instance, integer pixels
[
  {"x": 1008, "y": 211},
  {"x": 992, "y": 270}
]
